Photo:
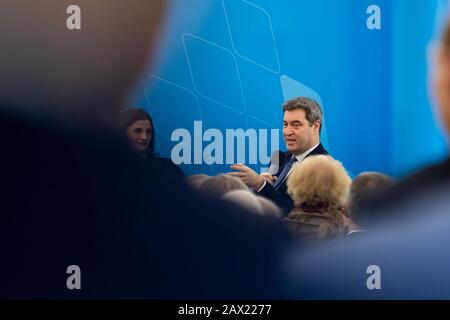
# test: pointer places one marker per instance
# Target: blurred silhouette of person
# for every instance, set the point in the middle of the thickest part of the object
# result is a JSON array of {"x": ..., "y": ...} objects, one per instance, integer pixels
[
  {"x": 195, "y": 181},
  {"x": 139, "y": 129},
  {"x": 74, "y": 194},
  {"x": 254, "y": 203},
  {"x": 405, "y": 256},
  {"x": 220, "y": 184}
]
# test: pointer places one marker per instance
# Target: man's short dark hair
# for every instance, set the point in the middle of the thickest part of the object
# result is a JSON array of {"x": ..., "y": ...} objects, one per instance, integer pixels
[{"x": 312, "y": 109}]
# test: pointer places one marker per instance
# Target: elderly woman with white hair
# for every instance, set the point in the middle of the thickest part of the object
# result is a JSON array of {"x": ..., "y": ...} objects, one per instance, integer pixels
[{"x": 319, "y": 186}]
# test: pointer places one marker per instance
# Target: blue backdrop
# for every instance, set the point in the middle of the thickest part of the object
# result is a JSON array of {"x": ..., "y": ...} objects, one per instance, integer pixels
[{"x": 232, "y": 63}]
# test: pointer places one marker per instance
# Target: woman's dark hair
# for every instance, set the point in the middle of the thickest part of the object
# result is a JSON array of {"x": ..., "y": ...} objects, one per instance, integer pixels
[{"x": 130, "y": 116}]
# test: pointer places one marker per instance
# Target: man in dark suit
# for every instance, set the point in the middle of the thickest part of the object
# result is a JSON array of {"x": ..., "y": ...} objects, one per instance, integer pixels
[
  {"x": 302, "y": 122},
  {"x": 81, "y": 215}
]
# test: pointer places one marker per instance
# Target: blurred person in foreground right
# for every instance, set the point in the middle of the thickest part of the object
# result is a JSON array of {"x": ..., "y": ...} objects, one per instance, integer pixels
[{"x": 406, "y": 256}]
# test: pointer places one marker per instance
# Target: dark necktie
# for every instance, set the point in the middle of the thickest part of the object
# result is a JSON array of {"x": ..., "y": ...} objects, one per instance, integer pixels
[{"x": 283, "y": 175}]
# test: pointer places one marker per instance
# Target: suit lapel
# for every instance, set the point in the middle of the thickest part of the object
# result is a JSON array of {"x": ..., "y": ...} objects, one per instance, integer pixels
[
  {"x": 318, "y": 150},
  {"x": 287, "y": 158}
]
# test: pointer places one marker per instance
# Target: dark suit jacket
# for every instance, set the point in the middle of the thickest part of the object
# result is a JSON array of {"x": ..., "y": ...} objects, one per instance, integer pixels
[
  {"x": 280, "y": 195},
  {"x": 81, "y": 196}
]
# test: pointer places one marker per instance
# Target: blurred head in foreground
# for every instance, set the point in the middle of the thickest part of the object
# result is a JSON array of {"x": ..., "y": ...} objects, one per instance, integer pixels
[
  {"x": 245, "y": 198},
  {"x": 80, "y": 74},
  {"x": 196, "y": 180},
  {"x": 217, "y": 186}
]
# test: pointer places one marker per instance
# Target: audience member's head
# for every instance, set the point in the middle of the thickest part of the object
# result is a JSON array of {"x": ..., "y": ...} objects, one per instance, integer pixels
[
  {"x": 363, "y": 188},
  {"x": 139, "y": 130},
  {"x": 218, "y": 185},
  {"x": 196, "y": 180},
  {"x": 269, "y": 208},
  {"x": 319, "y": 180},
  {"x": 82, "y": 75},
  {"x": 319, "y": 186},
  {"x": 245, "y": 199}
]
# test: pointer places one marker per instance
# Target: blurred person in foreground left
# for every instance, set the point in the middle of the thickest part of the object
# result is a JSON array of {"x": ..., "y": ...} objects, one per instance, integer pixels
[{"x": 82, "y": 217}]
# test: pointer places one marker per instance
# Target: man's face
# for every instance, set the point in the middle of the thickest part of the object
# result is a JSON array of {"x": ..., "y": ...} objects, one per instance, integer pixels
[
  {"x": 298, "y": 134},
  {"x": 140, "y": 134}
]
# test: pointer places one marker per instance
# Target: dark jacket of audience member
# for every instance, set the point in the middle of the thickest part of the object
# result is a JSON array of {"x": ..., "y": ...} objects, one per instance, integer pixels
[{"x": 317, "y": 222}]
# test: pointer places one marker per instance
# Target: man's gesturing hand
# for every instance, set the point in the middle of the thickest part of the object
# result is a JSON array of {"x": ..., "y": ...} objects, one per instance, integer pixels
[{"x": 248, "y": 176}]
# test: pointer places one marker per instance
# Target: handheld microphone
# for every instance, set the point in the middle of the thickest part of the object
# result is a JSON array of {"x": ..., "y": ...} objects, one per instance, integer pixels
[{"x": 276, "y": 160}]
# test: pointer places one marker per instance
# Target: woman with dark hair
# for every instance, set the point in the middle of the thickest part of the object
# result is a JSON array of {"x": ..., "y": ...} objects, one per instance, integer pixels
[
  {"x": 140, "y": 133},
  {"x": 139, "y": 129}
]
